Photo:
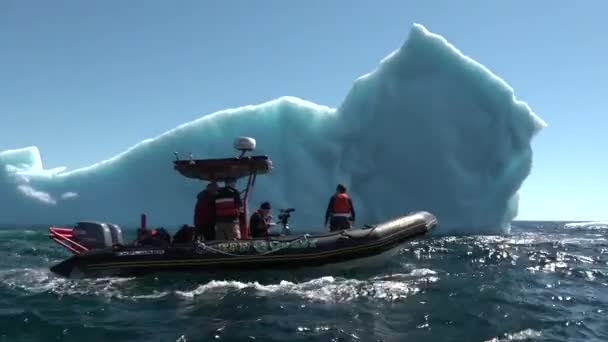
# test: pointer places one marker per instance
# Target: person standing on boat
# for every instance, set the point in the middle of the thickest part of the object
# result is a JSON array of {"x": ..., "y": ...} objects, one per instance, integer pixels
[
  {"x": 259, "y": 222},
  {"x": 340, "y": 211},
  {"x": 228, "y": 208},
  {"x": 204, "y": 213}
]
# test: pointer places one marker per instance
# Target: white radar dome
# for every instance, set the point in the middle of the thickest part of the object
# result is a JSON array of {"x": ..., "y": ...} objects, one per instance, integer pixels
[{"x": 244, "y": 144}]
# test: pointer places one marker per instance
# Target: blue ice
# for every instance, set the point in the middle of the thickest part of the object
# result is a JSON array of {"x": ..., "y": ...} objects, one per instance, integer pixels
[{"x": 428, "y": 129}]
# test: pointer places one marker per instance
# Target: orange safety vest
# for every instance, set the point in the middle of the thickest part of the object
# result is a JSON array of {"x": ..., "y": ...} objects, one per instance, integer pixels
[
  {"x": 341, "y": 205},
  {"x": 226, "y": 207}
]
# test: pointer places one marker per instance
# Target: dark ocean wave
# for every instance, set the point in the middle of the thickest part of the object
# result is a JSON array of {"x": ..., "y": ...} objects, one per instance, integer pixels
[{"x": 533, "y": 285}]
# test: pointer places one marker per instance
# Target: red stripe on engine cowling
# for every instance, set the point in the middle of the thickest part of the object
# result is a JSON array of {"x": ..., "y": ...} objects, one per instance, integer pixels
[{"x": 64, "y": 232}]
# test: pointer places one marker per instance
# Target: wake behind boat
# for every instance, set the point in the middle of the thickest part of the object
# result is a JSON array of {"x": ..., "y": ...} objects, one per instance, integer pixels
[{"x": 99, "y": 249}]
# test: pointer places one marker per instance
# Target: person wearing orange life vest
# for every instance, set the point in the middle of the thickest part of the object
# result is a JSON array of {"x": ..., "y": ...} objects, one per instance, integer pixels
[
  {"x": 228, "y": 208},
  {"x": 340, "y": 210}
]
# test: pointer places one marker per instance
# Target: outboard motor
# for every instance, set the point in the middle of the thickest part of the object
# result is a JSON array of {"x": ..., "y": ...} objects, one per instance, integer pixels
[
  {"x": 116, "y": 234},
  {"x": 95, "y": 235}
]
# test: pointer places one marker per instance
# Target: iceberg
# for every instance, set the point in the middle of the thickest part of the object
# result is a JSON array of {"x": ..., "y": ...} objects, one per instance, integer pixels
[{"x": 428, "y": 129}]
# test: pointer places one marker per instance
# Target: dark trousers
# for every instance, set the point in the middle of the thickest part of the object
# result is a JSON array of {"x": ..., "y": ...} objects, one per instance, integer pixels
[
  {"x": 206, "y": 230},
  {"x": 339, "y": 223},
  {"x": 259, "y": 233}
]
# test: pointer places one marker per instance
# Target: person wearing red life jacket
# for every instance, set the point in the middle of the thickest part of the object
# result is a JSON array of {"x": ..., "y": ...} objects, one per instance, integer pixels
[
  {"x": 340, "y": 211},
  {"x": 228, "y": 208},
  {"x": 204, "y": 213}
]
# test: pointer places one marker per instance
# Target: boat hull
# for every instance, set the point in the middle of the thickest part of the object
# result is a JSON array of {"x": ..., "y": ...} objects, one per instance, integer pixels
[{"x": 277, "y": 253}]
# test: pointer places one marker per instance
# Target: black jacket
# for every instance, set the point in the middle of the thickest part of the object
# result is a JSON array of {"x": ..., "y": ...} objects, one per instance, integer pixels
[{"x": 257, "y": 225}]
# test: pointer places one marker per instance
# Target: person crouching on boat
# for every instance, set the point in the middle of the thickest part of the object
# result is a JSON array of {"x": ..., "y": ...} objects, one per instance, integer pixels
[
  {"x": 340, "y": 212},
  {"x": 204, "y": 213},
  {"x": 260, "y": 221},
  {"x": 228, "y": 208}
]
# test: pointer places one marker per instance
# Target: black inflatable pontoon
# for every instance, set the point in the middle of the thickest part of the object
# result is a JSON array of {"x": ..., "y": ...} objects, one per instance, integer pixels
[{"x": 100, "y": 251}]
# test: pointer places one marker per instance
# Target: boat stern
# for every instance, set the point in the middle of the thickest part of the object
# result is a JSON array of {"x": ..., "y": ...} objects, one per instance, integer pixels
[{"x": 66, "y": 268}]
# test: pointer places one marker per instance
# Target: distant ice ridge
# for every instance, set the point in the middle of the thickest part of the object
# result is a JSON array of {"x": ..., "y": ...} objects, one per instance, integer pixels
[{"x": 428, "y": 129}]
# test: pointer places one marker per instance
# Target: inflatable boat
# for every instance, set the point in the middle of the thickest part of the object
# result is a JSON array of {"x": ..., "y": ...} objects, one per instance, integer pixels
[{"x": 99, "y": 248}]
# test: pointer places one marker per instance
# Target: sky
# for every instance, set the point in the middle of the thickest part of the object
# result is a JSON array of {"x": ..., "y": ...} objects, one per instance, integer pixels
[{"x": 85, "y": 80}]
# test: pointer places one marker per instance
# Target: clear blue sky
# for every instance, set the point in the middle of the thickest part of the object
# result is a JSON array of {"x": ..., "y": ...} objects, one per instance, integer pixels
[{"x": 84, "y": 80}]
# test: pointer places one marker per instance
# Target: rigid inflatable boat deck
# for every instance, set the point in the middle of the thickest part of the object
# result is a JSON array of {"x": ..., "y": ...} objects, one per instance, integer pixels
[{"x": 99, "y": 249}]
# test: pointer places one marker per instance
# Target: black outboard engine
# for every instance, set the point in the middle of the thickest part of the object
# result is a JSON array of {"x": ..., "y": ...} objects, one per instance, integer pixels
[
  {"x": 116, "y": 234},
  {"x": 96, "y": 235}
]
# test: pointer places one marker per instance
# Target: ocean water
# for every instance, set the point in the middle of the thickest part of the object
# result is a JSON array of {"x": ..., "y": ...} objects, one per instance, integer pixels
[{"x": 542, "y": 282}]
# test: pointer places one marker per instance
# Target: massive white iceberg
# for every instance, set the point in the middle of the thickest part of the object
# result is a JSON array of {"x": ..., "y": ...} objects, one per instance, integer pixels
[{"x": 429, "y": 129}]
